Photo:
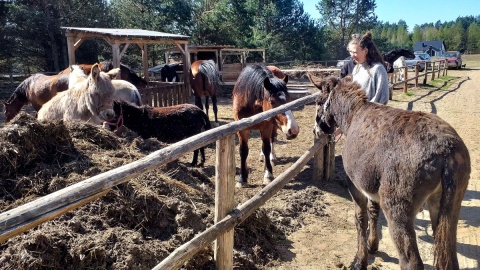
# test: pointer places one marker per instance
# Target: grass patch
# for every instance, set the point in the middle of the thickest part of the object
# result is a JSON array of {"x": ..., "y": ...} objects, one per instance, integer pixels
[
  {"x": 409, "y": 93},
  {"x": 441, "y": 83}
]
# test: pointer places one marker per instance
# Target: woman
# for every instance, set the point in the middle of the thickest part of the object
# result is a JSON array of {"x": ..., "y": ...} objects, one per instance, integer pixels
[{"x": 369, "y": 72}]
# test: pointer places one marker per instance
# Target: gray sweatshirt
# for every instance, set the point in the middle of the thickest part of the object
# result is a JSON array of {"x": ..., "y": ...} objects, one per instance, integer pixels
[{"x": 373, "y": 80}]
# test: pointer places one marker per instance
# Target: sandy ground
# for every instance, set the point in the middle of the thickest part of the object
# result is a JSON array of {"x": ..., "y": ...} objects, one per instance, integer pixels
[{"x": 330, "y": 243}]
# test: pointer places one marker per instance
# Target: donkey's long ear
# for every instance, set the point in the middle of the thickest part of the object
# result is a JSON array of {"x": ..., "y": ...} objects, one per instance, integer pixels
[
  {"x": 315, "y": 80},
  {"x": 95, "y": 71}
]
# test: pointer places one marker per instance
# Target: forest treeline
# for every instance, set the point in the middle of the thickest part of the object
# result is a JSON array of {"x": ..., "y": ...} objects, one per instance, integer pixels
[{"x": 32, "y": 40}]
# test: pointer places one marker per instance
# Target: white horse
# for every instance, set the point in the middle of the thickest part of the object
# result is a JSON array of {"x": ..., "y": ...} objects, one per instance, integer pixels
[
  {"x": 124, "y": 90},
  {"x": 90, "y": 100},
  {"x": 398, "y": 73}
]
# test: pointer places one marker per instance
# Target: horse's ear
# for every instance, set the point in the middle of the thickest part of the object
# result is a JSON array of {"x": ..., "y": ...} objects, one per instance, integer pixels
[
  {"x": 285, "y": 79},
  {"x": 113, "y": 73}
]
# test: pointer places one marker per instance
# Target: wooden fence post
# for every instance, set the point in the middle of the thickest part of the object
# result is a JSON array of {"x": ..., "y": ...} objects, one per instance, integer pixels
[
  {"x": 405, "y": 76},
  {"x": 417, "y": 67},
  {"x": 446, "y": 68},
  {"x": 439, "y": 69},
  {"x": 318, "y": 162},
  {"x": 433, "y": 70},
  {"x": 426, "y": 72},
  {"x": 224, "y": 199}
]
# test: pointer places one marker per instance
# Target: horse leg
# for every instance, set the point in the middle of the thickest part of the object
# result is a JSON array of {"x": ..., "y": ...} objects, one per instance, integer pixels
[
  {"x": 206, "y": 105},
  {"x": 266, "y": 134},
  {"x": 373, "y": 209},
  {"x": 215, "y": 108},
  {"x": 198, "y": 102},
  {"x": 361, "y": 222},
  {"x": 400, "y": 217},
  {"x": 273, "y": 156},
  {"x": 243, "y": 136}
]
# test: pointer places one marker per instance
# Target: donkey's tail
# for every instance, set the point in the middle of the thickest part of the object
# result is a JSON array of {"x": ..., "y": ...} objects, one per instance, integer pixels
[{"x": 454, "y": 183}]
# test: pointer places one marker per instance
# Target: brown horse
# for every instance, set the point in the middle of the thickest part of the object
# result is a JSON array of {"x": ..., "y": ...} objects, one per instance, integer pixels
[
  {"x": 167, "y": 124},
  {"x": 257, "y": 90},
  {"x": 206, "y": 81},
  {"x": 90, "y": 100},
  {"x": 397, "y": 160}
]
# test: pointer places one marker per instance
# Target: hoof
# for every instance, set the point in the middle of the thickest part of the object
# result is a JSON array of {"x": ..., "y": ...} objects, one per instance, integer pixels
[
  {"x": 372, "y": 248},
  {"x": 241, "y": 184},
  {"x": 267, "y": 181}
]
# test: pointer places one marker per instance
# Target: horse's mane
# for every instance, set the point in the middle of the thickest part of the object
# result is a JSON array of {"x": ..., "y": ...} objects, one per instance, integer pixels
[
  {"x": 209, "y": 69},
  {"x": 250, "y": 84},
  {"x": 133, "y": 76},
  {"x": 393, "y": 55},
  {"x": 21, "y": 91}
]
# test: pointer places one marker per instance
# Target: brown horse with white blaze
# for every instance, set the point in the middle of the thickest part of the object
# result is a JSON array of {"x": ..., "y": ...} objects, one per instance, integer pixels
[
  {"x": 397, "y": 160},
  {"x": 257, "y": 90}
]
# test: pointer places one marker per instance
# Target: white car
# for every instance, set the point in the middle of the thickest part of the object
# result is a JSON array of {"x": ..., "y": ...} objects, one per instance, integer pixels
[{"x": 419, "y": 61}]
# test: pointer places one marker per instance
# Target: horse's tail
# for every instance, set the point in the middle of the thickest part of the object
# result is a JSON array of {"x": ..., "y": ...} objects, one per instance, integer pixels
[
  {"x": 454, "y": 183},
  {"x": 210, "y": 71},
  {"x": 136, "y": 97}
]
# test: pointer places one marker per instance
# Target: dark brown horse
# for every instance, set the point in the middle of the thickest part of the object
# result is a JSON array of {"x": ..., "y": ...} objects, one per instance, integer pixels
[
  {"x": 205, "y": 80},
  {"x": 167, "y": 124},
  {"x": 391, "y": 56},
  {"x": 257, "y": 90},
  {"x": 397, "y": 160}
]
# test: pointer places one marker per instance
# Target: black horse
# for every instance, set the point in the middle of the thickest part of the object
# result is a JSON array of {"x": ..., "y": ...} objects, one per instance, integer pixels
[{"x": 168, "y": 73}]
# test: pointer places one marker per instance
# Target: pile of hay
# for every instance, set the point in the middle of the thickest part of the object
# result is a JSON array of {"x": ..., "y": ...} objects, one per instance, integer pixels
[{"x": 134, "y": 226}]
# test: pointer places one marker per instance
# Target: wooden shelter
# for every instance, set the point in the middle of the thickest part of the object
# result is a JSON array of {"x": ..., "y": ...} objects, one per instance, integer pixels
[
  {"x": 116, "y": 37},
  {"x": 157, "y": 94}
]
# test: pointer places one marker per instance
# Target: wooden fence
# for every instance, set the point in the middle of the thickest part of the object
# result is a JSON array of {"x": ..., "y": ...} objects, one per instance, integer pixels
[
  {"x": 162, "y": 94},
  {"x": 29, "y": 215},
  {"x": 432, "y": 68}
]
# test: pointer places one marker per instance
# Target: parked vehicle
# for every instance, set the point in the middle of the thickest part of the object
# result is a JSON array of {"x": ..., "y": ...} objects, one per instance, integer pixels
[
  {"x": 425, "y": 56},
  {"x": 454, "y": 59},
  {"x": 419, "y": 61}
]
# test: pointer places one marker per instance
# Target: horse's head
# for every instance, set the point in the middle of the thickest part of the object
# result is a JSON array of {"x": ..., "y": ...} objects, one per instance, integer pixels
[
  {"x": 276, "y": 95},
  {"x": 11, "y": 108},
  {"x": 324, "y": 120}
]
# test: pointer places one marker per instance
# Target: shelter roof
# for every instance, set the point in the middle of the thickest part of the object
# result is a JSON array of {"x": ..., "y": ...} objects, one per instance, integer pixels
[{"x": 126, "y": 33}]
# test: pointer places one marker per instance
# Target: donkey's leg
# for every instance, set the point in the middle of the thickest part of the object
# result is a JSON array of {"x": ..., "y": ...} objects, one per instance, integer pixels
[
  {"x": 195, "y": 158},
  {"x": 373, "y": 209},
  {"x": 243, "y": 136},
  {"x": 400, "y": 215},
  {"x": 361, "y": 222},
  {"x": 215, "y": 108}
]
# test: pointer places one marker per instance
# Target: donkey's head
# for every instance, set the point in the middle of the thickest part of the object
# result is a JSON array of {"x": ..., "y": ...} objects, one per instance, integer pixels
[{"x": 324, "y": 120}]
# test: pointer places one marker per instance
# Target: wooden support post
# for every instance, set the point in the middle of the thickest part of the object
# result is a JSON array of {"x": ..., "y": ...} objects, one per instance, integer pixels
[
  {"x": 70, "y": 47},
  {"x": 224, "y": 199},
  {"x": 446, "y": 68},
  {"x": 145, "y": 61},
  {"x": 116, "y": 55},
  {"x": 331, "y": 158}
]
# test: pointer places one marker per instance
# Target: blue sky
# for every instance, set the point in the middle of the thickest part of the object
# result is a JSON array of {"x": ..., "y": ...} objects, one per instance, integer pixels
[{"x": 414, "y": 11}]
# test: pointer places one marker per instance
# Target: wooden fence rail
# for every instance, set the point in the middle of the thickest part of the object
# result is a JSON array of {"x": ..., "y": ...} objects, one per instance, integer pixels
[
  {"x": 442, "y": 68},
  {"x": 29, "y": 215}
]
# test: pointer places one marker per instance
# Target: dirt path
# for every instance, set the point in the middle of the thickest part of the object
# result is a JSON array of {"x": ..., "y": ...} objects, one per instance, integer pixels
[{"x": 330, "y": 243}]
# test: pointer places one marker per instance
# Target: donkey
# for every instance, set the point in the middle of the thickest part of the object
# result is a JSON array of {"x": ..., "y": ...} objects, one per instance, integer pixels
[
  {"x": 90, "y": 100},
  {"x": 397, "y": 160}
]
